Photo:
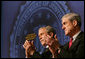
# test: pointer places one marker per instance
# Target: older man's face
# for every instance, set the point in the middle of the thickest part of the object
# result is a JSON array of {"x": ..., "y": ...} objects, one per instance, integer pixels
[
  {"x": 67, "y": 26},
  {"x": 42, "y": 33}
]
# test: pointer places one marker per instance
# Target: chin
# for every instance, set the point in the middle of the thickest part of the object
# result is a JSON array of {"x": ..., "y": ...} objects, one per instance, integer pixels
[
  {"x": 43, "y": 44},
  {"x": 66, "y": 34}
]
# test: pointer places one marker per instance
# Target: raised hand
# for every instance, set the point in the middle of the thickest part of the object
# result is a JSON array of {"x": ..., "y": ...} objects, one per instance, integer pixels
[
  {"x": 29, "y": 48},
  {"x": 26, "y": 45}
]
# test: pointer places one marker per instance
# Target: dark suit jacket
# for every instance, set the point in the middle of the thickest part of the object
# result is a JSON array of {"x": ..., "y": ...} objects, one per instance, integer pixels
[
  {"x": 76, "y": 50},
  {"x": 45, "y": 54}
]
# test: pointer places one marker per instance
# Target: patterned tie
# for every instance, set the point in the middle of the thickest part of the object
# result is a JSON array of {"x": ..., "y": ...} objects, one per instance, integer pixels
[{"x": 70, "y": 43}]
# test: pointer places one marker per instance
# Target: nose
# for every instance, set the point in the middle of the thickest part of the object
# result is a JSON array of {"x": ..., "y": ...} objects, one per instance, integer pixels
[{"x": 63, "y": 27}]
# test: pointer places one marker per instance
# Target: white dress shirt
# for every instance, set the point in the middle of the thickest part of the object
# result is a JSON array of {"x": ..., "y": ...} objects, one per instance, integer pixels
[{"x": 74, "y": 37}]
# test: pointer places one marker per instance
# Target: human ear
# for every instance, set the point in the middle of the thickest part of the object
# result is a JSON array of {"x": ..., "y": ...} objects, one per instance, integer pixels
[{"x": 75, "y": 22}]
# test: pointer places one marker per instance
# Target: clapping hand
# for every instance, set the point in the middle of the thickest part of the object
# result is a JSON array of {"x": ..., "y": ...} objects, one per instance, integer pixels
[{"x": 29, "y": 48}]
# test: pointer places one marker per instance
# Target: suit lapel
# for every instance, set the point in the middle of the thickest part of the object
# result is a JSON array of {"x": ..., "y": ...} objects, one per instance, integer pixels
[{"x": 76, "y": 42}]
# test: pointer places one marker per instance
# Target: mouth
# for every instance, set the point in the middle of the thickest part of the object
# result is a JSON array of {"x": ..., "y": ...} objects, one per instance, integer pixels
[{"x": 65, "y": 30}]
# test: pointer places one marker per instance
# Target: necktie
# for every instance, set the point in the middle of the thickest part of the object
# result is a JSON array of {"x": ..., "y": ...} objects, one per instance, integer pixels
[{"x": 70, "y": 43}]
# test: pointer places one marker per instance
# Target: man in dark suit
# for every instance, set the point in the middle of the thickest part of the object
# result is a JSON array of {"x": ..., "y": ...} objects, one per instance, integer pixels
[
  {"x": 71, "y": 24},
  {"x": 30, "y": 49}
]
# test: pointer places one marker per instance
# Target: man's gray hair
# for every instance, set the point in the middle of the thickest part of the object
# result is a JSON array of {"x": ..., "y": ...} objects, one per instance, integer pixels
[{"x": 73, "y": 16}]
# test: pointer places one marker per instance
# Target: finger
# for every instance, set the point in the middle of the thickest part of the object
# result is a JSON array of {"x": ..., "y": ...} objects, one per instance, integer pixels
[
  {"x": 32, "y": 42},
  {"x": 28, "y": 42},
  {"x": 25, "y": 42},
  {"x": 55, "y": 37},
  {"x": 26, "y": 47},
  {"x": 23, "y": 46},
  {"x": 48, "y": 36}
]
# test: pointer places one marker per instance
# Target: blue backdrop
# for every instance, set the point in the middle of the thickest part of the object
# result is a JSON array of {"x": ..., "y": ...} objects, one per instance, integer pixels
[{"x": 11, "y": 14}]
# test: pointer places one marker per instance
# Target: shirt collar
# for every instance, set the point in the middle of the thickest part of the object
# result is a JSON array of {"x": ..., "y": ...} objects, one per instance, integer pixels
[{"x": 74, "y": 37}]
